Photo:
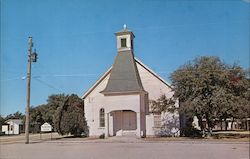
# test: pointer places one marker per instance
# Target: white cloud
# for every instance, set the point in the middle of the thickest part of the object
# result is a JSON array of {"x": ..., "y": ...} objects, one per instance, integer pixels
[{"x": 247, "y": 1}]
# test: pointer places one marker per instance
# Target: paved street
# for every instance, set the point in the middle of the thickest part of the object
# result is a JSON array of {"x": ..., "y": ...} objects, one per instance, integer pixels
[{"x": 125, "y": 148}]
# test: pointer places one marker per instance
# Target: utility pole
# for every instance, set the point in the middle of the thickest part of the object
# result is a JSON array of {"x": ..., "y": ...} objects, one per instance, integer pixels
[{"x": 32, "y": 57}]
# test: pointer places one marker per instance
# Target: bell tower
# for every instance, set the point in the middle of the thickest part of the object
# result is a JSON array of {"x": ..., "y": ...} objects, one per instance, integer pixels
[
  {"x": 124, "y": 39},
  {"x": 124, "y": 87},
  {"x": 124, "y": 77}
]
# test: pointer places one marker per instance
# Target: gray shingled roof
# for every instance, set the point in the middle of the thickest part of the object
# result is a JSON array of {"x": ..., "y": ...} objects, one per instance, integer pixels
[{"x": 124, "y": 77}]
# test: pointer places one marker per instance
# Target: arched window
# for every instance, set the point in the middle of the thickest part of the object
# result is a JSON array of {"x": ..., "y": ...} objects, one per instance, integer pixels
[{"x": 102, "y": 117}]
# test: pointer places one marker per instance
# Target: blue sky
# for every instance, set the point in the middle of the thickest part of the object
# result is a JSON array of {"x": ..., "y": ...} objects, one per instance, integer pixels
[{"x": 76, "y": 44}]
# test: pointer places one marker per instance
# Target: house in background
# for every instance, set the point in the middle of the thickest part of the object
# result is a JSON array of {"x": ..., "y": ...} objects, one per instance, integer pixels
[
  {"x": 118, "y": 103},
  {"x": 13, "y": 127},
  {"x": 233, "y": 124}
]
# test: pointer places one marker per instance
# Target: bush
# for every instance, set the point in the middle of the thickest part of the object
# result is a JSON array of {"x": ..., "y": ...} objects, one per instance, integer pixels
[
  {"x": 102, "y": 136},
  {"x": 192, "y": 132},
  {"x": 69, "y": 118}
]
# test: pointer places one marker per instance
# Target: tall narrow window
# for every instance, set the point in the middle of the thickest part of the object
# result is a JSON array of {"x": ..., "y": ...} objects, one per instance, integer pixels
[
  {"x": 123, "y": 42},
  {"x": 102, "y": 118},
  {"x": 157, "y": 120}
]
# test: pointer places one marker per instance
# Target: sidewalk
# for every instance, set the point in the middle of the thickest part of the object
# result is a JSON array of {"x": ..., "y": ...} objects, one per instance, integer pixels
[
  {"x": 33, "y": 138},
  {"x": 56, "y": 138}
]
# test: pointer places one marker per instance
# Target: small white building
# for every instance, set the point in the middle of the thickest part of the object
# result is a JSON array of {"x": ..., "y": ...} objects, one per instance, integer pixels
[
  {"x": 118, "y": 103},
  {"x": 12, "y": 127}
]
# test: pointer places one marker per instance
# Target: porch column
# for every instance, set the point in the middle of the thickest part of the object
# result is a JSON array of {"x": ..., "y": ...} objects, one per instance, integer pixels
[
  {"x": 138, "y": 122},
  {"x": 107, "y": 124},
  {"x": 111, "y": 124},
  {"x": 122, "y": 122}
]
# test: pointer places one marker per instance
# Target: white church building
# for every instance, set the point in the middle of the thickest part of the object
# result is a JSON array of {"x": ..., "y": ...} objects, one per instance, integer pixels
[{"x": 118, "y": 103}]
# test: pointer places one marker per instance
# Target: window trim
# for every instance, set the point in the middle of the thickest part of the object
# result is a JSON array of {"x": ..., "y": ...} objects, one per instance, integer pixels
[
  {"x": 157, "y": 120},
  {"x": 102, "y": 118},
  {"x": 123, "y": 41}
]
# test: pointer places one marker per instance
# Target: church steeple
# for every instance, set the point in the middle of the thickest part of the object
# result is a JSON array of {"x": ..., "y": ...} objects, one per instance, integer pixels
[
  {"x": 124, "y": 39},
  {"x": 124, "y": 77}
]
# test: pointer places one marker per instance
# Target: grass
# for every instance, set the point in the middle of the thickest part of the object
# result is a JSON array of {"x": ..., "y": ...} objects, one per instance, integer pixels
[
  {"x": 230, "y": 136},
  {"x": 216, "y": 136}
]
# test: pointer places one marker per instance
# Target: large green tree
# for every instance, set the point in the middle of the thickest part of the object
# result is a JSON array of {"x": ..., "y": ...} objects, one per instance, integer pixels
[
  {"x": 45, "y": 112},
  {"x": 69, "y": 118},
  {"x": 210, "y": 89},
  {"x": 54, "y": 101}
]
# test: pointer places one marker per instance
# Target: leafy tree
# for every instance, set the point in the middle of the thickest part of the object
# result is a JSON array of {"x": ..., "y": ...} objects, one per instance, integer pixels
[
  {"x": 54, "y": 101},
  {"x": 45, "y": 112},
  {"x": 16, "y": 115},
  {"x": 170, "y": 120},
  {"x": 36, "y": 119},
  {"x": 210, "y": 89},
  {"x": 163, "y": 104},
  {"x": 36, "y": 115},
  {"x": 69, "y": 117},
  {"x": 2, "y": 120},
  {"x": 234, "y": 97}
]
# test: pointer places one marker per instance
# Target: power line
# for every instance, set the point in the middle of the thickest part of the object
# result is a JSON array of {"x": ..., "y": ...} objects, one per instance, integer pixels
[
  {"x": 11, "y": 79},
  {"x": 161, "y": 27},
  {"x": 75, "y": 75},
  {"x": 49, "y": 85},
  {"x": 92, "y": 75}
]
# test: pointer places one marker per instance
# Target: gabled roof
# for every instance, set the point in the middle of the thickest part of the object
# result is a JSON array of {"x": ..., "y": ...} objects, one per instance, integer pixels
[
  {"x": 109, "y": 70},
  {"x": 17, "y": 121},
  {"x": 96, "y": 83},
  {"x": 14, "y": 120},
  {"x": 124, "y": 75},
  {"x": 153, "y": 73}
]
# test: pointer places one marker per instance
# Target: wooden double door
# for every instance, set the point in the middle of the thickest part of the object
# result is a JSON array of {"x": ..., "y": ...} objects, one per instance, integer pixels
[{"x": 124, "y": 121}]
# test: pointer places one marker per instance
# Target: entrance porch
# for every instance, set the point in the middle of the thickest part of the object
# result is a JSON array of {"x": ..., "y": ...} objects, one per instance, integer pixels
[{"x": 123, "y": 123}]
